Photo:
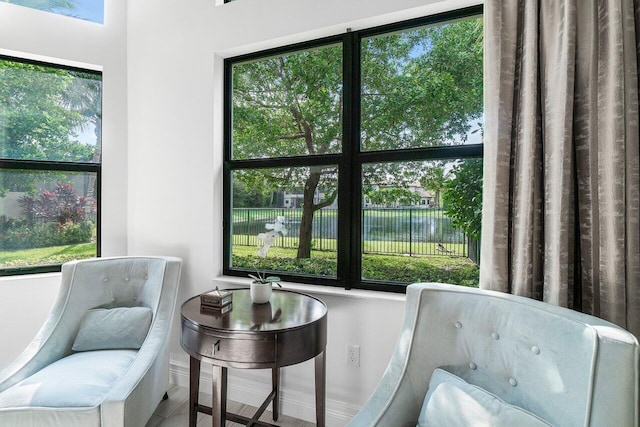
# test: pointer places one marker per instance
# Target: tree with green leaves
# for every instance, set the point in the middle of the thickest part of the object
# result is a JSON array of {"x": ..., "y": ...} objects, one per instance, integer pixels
[
  {"x": 463, "y": 197},
  {"x": 34, "y": 123},
  {"x": 287, "y": 106},
  {"x": 42, "y": 111},
  {"x": 249, "y": 197},
  {"x": 84, "y": 96},
  {"x": 391, "y": 197},
  {"x": 434, "y": 179},
  {"x": 419, "y": 88}
]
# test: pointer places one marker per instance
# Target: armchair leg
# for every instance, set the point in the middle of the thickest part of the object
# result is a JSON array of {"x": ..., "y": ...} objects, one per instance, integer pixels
[{"x": 166, "y": 396}]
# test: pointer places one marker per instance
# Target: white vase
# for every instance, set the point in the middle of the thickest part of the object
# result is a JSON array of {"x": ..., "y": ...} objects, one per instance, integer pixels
[{"x": 260, "y": 292}]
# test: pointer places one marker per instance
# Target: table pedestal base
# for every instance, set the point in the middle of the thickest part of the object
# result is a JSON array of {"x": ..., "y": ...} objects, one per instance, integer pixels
[{"x": 219, "y": 396}]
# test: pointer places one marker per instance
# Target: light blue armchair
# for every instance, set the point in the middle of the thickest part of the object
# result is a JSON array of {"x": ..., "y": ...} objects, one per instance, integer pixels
[
  {"x": 101, "y": 358},
  {"x": 472, "y": 357}
]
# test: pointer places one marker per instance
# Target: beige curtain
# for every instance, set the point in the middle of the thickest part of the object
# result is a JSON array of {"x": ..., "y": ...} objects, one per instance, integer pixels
[{"x": 561, "y": 213}]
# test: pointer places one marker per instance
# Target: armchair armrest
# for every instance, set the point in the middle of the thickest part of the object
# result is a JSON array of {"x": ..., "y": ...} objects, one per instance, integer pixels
[
  {"x": 390, "y": 403},
  {"x": 51, "y": 343}
]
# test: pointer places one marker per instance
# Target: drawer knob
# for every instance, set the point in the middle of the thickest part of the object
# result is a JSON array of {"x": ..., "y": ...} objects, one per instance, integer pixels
[{"x": 216, "y": 346}]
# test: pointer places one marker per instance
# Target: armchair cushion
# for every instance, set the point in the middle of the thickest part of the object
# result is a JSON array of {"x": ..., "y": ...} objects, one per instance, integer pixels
[
  {"x": 451, "y": 401},
  {"x": 80, "y": 381},
  {"x": 115, "y": 328}
]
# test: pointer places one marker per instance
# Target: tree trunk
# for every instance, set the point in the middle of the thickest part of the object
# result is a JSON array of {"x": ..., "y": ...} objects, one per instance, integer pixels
[{"x": 304, "y": 242}]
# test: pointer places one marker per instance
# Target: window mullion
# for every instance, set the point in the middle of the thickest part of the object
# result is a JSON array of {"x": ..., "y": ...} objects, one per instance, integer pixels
[
  {"x": 349, "y": 256},
  {"x": 227, "y": 192},
  {"x": 425, "y": 153},
  {"x": 41, "y": 165}
]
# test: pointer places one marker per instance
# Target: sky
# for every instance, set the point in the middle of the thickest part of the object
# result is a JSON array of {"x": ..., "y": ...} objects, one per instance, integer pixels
[{"x": 89, "y": 10}]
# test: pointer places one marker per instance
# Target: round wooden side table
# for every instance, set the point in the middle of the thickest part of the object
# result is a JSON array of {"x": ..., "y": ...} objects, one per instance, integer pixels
[{"x": 289, "y": 329}]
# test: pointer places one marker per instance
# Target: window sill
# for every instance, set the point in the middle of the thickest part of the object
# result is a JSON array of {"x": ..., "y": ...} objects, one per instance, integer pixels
[
  {"x": 30, "y": 277},
  {"x": 232, "y": 281}
]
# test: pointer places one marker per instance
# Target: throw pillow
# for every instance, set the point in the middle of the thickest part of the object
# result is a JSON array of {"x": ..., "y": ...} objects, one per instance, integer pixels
[
  {"x": 453, "y": 402},
  {"x": 115, "y": 328}
]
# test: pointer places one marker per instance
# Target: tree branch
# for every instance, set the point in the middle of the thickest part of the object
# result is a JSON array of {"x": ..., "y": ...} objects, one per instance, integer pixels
[
  {"x": 326, "y": 202},
  {"x": 290, "y": 137}
]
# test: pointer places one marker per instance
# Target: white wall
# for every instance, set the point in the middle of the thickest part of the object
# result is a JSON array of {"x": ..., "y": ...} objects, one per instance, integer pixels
[
  {"x": 176, "y": 52},
  {"x": 25, "y": 301},
  {"x": 24, "y": 305}
]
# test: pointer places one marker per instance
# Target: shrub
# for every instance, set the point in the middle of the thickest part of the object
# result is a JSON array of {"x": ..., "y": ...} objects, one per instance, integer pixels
[
  {"x": 420, "y": 269},
  {"x": 387, "y": 268},
  {"x": 311, "y": 266},
  {"x": 47, "y": 234},
  {"x": 8, "y": 223},
  {"x": 463, "y": 197},
  {"x": 53, "y": 218},
  {"x": 62, "y": 205}
]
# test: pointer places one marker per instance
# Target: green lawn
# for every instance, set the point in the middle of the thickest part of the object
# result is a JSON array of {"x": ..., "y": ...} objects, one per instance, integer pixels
[
  {"x": 370, "y": 246},
  {"x": 45, "y": 256}
]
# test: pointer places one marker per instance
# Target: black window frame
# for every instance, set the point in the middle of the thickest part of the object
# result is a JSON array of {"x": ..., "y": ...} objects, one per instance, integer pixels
[
  {"x": 44, "y": 165},
  {"x": 350, "y": 161}
]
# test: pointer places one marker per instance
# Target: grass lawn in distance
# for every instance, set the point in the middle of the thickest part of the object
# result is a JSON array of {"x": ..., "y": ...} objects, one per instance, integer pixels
[
  {"x": 370, "y": 246},
  {"x": 46, "y": 256}
]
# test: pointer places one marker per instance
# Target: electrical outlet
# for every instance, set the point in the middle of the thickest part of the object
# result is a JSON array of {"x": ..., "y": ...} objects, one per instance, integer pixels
[{"x": 353, "y": 355}]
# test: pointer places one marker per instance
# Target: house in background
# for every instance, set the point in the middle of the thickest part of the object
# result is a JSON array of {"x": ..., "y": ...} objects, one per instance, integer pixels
[
  {"x": 295, "y": 200},
  {"x": 427, "y": 199},
  {"x": 418, "y": 195}
]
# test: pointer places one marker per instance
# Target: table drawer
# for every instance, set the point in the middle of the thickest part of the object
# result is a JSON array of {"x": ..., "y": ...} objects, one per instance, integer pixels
[{"x": 236, "y": 349}]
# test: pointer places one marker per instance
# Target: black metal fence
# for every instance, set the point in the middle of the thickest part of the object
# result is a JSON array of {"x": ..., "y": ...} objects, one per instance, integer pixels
[
  {"x": 249, "y": 222},
  {"x": 407, "y": 231}
]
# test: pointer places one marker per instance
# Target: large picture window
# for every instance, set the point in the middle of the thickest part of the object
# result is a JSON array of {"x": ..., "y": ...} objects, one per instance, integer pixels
[
  {"x": 367, "y": 147},
  {"x": 50, "y": 157}
]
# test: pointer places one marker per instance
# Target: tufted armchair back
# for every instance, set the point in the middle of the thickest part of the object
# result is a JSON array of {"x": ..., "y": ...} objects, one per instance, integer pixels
[
  {"x": 107, "y": 283},
  {"x": 568, "y": 368},
  {"x": 102, "y": 283}
]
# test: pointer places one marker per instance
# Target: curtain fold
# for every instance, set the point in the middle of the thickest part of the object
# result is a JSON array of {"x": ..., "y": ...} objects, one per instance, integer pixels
[{"x": 561, "y": 210}]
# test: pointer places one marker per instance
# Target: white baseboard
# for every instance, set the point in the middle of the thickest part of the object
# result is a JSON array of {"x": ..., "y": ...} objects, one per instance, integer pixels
[{"x": 253, "y": 391}]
